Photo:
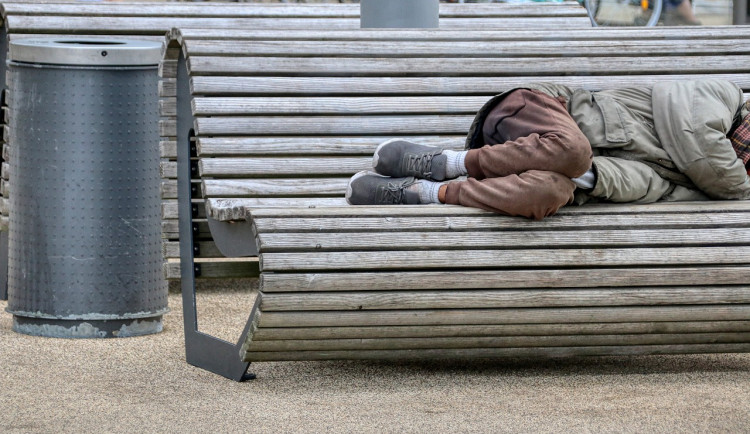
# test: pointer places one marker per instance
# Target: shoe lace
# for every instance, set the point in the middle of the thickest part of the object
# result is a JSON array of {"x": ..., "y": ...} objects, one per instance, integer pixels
[
  {"x": 392, "y": 193},
  {"x": 421, "y": 164}
]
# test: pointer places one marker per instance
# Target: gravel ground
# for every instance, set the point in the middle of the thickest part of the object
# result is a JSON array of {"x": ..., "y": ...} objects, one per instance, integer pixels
[{"x": 144, "y": 385}]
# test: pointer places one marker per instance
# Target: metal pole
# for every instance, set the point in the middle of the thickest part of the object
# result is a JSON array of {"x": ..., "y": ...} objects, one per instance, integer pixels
[
  {"x": 421, "y": 14},
  {"x": 741, "y": 12}
]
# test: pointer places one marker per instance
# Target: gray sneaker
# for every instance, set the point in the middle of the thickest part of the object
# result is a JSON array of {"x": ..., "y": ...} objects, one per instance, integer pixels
[
  {"x": 399, "y": 158},
  {"x": 368, "y": 188}
]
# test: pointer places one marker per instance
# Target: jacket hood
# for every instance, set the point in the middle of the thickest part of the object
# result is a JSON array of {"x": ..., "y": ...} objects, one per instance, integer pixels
[{"x": 691, "y": 119}]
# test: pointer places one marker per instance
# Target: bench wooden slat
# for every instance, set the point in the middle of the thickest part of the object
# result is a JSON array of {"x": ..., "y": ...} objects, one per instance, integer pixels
[
  {"x": 413, "y": 240},
  {"x": 338, "y": 105},
  {"x": 276, "y": 187},
  {"x": 244, "y": 204},
  {"x": 339, "y": 125},
  {"x": 167, "y": 10},
  {"x": 311, "y": 145},
  {"x": 503, "y": 279},
  {"x": 500, "y": 299},
  {"x": 447, "y": 222},
  {"x": 152, "y": 25},
  {"x": 612, "y": 209},
  {"x": 505, "y": 316},
  {"x": 478, "y": 48},
  {"x": 221, "y": 85},
  {"x": 139, "y": 9},
  {"x": 531, "y": 352},
  {"x": 585, "y": 34},
  {"x": 307, "y": 333},
  {"x": 497, "y": 342},
  {"x": 533, "y": 66},
  {"x": 560, "y": 258},
  {"x": 284, "y": 166}
]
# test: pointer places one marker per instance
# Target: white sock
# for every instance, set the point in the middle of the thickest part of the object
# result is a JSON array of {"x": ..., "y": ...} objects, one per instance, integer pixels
[
  {"x": 428, "y": 190},
  {"x": 585, "y": 181},
  {"x": 455, "y": 165}
]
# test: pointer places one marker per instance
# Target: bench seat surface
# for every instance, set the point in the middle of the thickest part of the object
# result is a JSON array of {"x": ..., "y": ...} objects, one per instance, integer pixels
[{"x": 378, "y": 282}]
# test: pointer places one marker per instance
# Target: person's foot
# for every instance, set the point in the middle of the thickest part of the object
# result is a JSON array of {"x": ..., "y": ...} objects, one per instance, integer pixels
[
  {"x": 676, "y": 18},
  {"x": 368, "y": 188},
  {"x": 400, "y": 158},
  {"x": 680, "y": 16}
]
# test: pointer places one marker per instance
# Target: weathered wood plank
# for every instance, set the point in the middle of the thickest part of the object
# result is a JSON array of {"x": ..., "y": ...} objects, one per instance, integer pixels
[
  {"x": 168, "y": 169},
  {"x": 488, "y": 299},
  {"x": 448, "y": 222},
  {"x": 505, "y": 316},
  {"x": 239, "y": 167},
  {"x": 477, "y": 48},
  {"x": 227, "y": 211},
  {"x": 288, "y": 242},
  {"x": 310, "y": 145},
  {"x": 338, "y": 125},
  {"x": 223, "y": 270},
  {"x": 169, "y": 209},
  {"x": 452, "y": 217},
  {"x": 463, "y": 354},
  {"x": 505, "y": 279},
  {"x": 476, "y": 34},
  {"x": 155, "y": 25},
  {"x": 307, "y": 333},
  {"x": 454, "y": 259},
  {"x": 696, "y": 208},
  {"x": 533, "y": 66},
  {"x": 299, "y": 105},
  {"x": 135, "y": 9},
  {"x": 231, "y": 85},
  {"x": 276, "y": 187},
  {"x": 496, "y": 342},
  {"x": 208, "y": 249}
]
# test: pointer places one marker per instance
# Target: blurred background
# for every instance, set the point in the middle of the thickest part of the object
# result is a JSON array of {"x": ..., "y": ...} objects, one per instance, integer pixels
[{"x": 709, "y": 12}]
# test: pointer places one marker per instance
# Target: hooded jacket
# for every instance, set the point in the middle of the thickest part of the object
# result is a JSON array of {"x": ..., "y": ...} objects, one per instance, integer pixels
[{"x": 663, "y": 142}]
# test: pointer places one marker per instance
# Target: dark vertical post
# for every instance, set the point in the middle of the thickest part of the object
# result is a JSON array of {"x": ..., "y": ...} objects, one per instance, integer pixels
[
  {"x": 422, "y": 14},
  {"x": 741, "y": 12}
]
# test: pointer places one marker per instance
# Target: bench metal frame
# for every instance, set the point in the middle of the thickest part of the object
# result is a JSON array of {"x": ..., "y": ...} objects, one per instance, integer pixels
[{"x": 201, "y": 350}]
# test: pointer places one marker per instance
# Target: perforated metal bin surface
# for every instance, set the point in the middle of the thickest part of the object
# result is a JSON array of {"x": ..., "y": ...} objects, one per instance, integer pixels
[{"x": 84, "y": 235}]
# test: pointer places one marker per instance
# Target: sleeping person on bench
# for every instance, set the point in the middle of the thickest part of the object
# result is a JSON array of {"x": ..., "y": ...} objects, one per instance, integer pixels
[{"x": 534, "y": 149}]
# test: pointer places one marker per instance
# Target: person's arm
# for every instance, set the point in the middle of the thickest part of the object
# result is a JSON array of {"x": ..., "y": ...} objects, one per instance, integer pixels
[{"x": 619, "y": 180}]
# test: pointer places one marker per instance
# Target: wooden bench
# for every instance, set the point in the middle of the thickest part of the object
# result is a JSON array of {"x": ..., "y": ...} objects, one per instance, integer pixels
[
  {"x": 268, "y": 134},
  {"x": 150, "y": 21}
]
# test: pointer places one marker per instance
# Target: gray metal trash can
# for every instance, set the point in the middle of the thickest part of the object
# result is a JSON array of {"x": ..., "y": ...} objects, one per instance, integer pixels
[{"x": 85, "y": 233}]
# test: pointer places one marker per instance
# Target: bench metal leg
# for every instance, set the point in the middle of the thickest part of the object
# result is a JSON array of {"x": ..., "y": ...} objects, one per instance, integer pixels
[
  {"x": 4, "y": 234},
  {"x": 4, "y": 265},
  {"x": 201, "y": 350}
]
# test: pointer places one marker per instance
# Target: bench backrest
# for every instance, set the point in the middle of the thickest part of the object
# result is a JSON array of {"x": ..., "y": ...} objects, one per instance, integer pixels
[
  {"x": 150, "y": 21},
  {"x": 280, "y": 122}
]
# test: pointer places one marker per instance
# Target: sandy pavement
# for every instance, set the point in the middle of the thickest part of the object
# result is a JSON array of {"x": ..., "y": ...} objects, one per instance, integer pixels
[{"x": 144, "y": 385}]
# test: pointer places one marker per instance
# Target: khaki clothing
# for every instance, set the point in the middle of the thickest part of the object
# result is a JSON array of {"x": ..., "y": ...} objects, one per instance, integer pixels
[{"x": 666, "y": 142}]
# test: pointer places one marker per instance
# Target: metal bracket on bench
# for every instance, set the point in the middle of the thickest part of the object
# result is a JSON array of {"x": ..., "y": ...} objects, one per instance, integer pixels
[
  {"x": 233, "y": 239},
  {"x": 201, "y": 350}
]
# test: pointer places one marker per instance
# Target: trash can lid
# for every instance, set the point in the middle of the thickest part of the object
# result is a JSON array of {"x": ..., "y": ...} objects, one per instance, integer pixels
[{"x": 90, "y": 52}]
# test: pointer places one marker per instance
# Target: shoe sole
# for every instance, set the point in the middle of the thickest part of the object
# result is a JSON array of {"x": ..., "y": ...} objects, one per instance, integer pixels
[
  {"x": 354, "y": 178},
  {"x": 376, "y": 157}
]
